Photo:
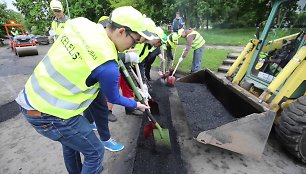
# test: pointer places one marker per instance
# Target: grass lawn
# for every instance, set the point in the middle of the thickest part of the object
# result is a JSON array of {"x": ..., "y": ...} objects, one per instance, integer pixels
[
  {"x": 237, "y": 37},
  {"x": 212, "y": 59}
]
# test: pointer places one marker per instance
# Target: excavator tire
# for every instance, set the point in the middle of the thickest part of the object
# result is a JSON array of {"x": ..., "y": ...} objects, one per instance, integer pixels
[{"x": 292, "y": 128}]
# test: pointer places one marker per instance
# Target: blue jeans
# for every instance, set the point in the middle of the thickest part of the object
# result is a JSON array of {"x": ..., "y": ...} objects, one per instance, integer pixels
[
  {"x": 197, "y": 59},
  {"x": 75, "y": 135},
  {"x": 98, "y": 112}
]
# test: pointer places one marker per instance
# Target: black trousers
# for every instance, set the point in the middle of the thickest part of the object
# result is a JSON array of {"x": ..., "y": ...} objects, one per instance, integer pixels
[{"x": 149, "y": 61}]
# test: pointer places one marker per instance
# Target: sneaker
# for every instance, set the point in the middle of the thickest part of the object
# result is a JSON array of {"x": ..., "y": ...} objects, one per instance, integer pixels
[
  {"x": 111, "y": 117},
  {"x": 93, "y": 126},
  {"x": 112, "y": 145}
]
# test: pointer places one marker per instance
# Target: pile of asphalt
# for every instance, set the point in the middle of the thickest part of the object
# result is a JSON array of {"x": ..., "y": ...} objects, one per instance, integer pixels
[
  {"x": 202, "y": 110},
  {"x": 150, "y": 159}
]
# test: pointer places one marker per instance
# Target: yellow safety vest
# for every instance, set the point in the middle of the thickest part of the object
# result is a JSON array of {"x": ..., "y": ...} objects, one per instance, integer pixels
[
  {"x": 14, "y": 33},
  {"x": 170, "y": 41},
  {"x": 58, "y": 84},
  {"x": 58, "y": 26},
  {"x": 198, "y": 41},
  {"x": 143, "y": 52}
]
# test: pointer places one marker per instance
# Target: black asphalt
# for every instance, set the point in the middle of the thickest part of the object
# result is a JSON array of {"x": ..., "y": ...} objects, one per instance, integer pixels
[{"x": 150, "y": 160}]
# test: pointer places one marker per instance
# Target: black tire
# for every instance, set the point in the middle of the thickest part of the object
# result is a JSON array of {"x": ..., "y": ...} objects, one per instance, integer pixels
[{"x": 292, "y": 128}]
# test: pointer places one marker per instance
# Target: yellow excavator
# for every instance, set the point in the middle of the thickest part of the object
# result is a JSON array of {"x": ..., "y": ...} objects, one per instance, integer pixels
[{"x": 264, "y": 86}]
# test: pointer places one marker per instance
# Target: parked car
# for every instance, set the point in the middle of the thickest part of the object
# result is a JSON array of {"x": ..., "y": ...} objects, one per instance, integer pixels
[{"x": 41, "y": 40}]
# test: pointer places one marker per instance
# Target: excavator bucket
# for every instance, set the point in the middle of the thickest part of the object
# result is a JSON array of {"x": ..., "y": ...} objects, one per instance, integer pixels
[{"x": 223, "y": 114}]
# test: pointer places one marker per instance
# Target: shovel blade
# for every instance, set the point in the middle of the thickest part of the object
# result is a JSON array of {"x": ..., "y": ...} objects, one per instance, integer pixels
[{"x": 162, "y": 140}]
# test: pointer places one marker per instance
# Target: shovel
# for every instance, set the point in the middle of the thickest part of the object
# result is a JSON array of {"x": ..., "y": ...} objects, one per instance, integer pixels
[
  {"x": 161, "y": 136},
  {"x": 171, "y": 79},
  {"x": 172, "y": 61},
  {"x": 163, "y": 78},
  {"x": 153, "y": 104}
]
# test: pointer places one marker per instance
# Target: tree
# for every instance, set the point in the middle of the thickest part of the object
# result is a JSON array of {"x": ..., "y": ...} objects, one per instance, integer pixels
[
  {"x": 7, "y": 16},
  {"x": 37, "y": 15}
]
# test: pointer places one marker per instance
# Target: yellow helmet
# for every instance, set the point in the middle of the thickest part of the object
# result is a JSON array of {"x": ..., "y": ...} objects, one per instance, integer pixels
[
  {"x": 151, "y": 27},
  {"x": 104, "y": 20},
  {"x": 56, "y": 5},
  {"x": 175, "y": 37},
  {"x": 160, "y": 32},
  {"x": 180, "y": 32},
  {"x": 130, "y": 17}
]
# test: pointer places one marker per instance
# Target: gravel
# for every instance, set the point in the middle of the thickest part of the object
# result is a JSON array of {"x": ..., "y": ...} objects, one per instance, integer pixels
[{"x": 203, "y": 111}]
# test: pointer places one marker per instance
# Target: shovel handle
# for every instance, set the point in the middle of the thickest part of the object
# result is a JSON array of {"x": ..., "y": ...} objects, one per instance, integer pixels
[
  {"x": 178, "y": 63},
  {"x": 137, "y": 94}
]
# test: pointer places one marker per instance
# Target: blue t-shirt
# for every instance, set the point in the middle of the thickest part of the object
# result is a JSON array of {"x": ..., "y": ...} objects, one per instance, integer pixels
[{"x": 107, "y": 75}]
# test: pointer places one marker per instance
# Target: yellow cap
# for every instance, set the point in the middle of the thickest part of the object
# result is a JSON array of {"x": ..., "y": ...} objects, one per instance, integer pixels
[
  {"x": 175, "y": 37},
  {"x": 180, "y": 32},
  {"x": 151, "y": 27},
  {"x": 104, "y": 20},
  {"x": 56, "y": 5},
  {"x": 130, "y": 17},
  {"x": 160, "y": 32}
]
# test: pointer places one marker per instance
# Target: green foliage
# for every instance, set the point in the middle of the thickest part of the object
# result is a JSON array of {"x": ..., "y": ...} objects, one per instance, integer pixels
[
  {"x": 216, "y": 13},
  {"x": 7, "y": 16},
  {"x": 92, "y": 10},
  {"x": 37, "y": 15}
]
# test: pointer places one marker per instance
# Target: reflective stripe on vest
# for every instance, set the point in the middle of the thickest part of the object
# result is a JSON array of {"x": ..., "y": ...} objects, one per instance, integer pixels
[
  {"x": 58, "y": 84},
  {"x": 57, "y": 101},
  {"x": 198, "y": 41}
]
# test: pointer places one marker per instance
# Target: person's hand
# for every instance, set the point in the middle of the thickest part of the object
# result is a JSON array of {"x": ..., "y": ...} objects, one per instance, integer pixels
[
  {"x": 162, "y": 59},
  {"x": 131, "y": 57},
  {"x": 142, "y": 107},
  {"x": 52, "y": 33},
  {"x": 181, "y": 59}
]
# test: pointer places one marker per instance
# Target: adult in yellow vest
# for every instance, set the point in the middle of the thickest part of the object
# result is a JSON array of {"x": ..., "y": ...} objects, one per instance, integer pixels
[
  {"x": 170, "y": 45},
  {"x": 159, "y": 51},
  {"x": 197, "y": 43},
  {"x": 81, "y": 63},
  {"x": 14, "y": 32},
  {"x": 58, "y": 23},
  {"x": 97, "y": 114},
  {"x": 147, "y": 46},
  {"x": 126, "y": 57}
]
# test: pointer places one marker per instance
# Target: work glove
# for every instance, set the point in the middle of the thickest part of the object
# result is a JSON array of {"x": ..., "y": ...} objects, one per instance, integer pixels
[
  {"x": 131, "y": 57},
  {"x": 145, "y": 94},
  {"x": 52, "y": 33},
  {"x": 181, "y": 59}
]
